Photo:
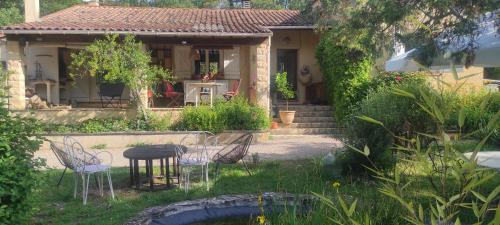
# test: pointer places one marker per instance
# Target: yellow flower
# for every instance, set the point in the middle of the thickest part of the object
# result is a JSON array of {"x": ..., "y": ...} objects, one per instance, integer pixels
[
  {"x": 336, "y": 184},
  {"x": 261, "y": 219}
]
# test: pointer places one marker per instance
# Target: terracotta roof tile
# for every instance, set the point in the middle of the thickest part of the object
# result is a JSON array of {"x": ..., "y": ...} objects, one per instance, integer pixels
[{"x": 164, "y": 20}]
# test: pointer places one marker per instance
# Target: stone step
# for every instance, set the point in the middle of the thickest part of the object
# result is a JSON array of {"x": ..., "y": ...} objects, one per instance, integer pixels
[
  {"x": 306, "y": 107},
  {"x": 312, "y": 125},
  {"x": 314, "y": 114},
  {"x": 314, "y": 119},
  {"x": 305, "y": 131}
]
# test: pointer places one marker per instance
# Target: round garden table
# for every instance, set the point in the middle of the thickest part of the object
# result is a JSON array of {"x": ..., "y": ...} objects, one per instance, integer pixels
[{"x": 148, "y": 153}]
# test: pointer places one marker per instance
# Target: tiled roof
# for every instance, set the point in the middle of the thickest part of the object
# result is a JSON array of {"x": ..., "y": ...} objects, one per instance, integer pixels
[{"x": 86, "y": 18}]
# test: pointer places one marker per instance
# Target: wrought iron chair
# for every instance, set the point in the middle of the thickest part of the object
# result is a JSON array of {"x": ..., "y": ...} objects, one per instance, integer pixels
[
  {"x": 109, "y": 92},
  {"x": 192, "y": 152},
  {"x": 62, "y": 156},
  {"x": 86, "y": 164},
  {"x": 234, "y": 152}
]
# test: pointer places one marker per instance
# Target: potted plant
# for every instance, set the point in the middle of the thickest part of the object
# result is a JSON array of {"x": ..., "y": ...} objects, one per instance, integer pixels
[{"x": 286, "y": 91}]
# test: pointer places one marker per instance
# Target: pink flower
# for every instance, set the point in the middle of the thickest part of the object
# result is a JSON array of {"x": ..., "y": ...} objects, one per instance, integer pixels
[{"x": 398, "y": 78}]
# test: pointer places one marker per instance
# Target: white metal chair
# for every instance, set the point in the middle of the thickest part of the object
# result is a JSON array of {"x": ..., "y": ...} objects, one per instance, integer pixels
[
  {"x": 85, "y": 164},
  {"x": 192, "y": 152}
]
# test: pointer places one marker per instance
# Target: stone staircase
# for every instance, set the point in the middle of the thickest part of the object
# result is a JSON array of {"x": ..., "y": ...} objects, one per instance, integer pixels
[{"x": 309, "y": 120}]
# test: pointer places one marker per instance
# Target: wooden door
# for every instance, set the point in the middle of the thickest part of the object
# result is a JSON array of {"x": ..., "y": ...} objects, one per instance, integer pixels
[{"x": 287, "y": 62}]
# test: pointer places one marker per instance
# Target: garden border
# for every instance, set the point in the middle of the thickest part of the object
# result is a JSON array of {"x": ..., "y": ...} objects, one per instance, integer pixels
[{"x": 127, "y": 139}]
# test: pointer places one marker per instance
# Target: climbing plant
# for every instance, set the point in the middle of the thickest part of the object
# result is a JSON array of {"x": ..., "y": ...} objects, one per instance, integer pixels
[{"x": 345, "y": 71}]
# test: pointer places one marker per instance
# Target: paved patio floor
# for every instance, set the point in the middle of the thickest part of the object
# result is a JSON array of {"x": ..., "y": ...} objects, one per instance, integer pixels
[{"x": 277, "y": 148}]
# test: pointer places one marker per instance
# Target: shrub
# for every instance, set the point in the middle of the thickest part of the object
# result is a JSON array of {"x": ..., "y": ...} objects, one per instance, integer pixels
[
  {"x": 19, "y": 176},
  {"x": 345, "y": 71},
  {"x": 155, "y": 123},
  {"x": 479, "y": 108},
  {"x": 200, "y": 118},
  {"x": 400, "y": 115},
  {"x": 158, "y": 122},
  {"x": 284, "y": 88},
  {"x": 237, "y": 114}
]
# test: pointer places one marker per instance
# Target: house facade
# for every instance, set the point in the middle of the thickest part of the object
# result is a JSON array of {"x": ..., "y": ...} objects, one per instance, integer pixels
[{"x": 248, "y": 46}]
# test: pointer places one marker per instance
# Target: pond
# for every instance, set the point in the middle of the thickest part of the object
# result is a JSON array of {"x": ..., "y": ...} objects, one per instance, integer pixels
[
  {"x": 236, "y": 215},
  {"x": 223, "y": 210},
  {"x": 228, "y": 221}
]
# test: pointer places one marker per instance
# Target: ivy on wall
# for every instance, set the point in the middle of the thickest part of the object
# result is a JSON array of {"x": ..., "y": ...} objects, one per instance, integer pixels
[{"x": 346, "y": 70}]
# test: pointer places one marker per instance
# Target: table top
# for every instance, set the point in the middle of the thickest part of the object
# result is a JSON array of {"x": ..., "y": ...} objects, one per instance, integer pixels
[
  {"x": 490, "y": 159},
  {"x": 207, "y": 84},
  {"x": 151, "y": 152}
]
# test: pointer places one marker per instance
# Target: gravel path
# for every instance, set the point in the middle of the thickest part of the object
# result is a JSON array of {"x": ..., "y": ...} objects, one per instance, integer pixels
[{"x": 277, "y": 148}]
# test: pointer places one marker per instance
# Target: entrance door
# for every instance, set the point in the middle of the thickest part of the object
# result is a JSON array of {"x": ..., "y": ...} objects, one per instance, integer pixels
[{"x": 287, "y": 62}]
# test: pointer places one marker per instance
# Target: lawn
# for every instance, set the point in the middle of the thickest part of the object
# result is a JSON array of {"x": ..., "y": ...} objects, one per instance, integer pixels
[{"x": 57, "y": 205}]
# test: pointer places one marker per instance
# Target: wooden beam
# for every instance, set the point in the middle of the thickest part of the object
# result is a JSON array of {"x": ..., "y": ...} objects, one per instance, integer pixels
[{"x": 64, "y": 39}]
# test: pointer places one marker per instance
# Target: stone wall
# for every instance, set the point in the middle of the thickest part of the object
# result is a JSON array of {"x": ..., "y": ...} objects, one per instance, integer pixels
[
  {"x": 259, "y": 69},
  {"x": 16, "y": 81},
  {"x": 72, "y": 116}
]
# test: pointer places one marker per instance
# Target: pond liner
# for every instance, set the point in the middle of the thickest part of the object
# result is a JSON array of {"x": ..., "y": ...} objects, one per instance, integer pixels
[
  {"x": 210, "y": 214},
  {"x": 215, "y": 209}
]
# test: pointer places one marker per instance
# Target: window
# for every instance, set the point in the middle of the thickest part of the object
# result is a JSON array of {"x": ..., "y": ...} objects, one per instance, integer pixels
[
  {"x": 207, "y": 62},
  {"x": 492, "y": 73}
]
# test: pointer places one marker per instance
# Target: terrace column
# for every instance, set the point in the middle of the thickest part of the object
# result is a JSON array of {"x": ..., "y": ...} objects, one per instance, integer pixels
[
  {"x": 16, "y": 79},
  {"x": 259, "y": 69}
]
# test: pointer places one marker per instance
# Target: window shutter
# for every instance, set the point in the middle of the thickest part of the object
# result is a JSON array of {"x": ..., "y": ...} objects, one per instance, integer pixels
[
  {"x": 232, "y": 63},
  {"x": 182, "y": 62}
]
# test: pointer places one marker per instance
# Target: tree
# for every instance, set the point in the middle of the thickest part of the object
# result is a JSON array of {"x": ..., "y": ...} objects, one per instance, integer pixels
[
  {"x": 48, "y": 7},
  {"x": 20, "y": 175},
  {"x": 375, "y": 24},
  {"x": 10, "y": 15},
  {"x": 115, "y": 59},
  {"x": 12, "y": 11},
  {"x": 284, "y": 88}
]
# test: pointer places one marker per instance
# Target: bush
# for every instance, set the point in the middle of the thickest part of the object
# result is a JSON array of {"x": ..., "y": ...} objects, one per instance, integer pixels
[
  {"x": 20, "y": 176},
  {"x": 154, "y": 123},
  {"x": 345, "y": 71},
  {"x": 200, "y": 118},
  {"x": 477, "y": 116},
  {"x": 400, "y": 115},
  {"x": 237, "y": 114}
]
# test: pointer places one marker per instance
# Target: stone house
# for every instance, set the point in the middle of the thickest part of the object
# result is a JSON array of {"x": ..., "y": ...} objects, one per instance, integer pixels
[{"x": 248, "y": 46}]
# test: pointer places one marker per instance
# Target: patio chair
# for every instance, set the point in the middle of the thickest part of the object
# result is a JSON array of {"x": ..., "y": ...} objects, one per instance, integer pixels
[
  {"x": 234, "y": 152},
  {"x": 86, "y": 164},
  {"x": 62, "y": 156},
  {"x": 171, "y": 94},
  {"x": 234, "y": 91},
  {"x": 109, "y": 92},
  {"x": 192, "y": 152},
  {"x": 151, "y": 96}
]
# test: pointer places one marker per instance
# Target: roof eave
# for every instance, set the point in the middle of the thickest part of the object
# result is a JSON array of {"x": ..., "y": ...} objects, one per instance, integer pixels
[
  {"x": 307, "y": 27},
  {"x": 139, "y": 33}
]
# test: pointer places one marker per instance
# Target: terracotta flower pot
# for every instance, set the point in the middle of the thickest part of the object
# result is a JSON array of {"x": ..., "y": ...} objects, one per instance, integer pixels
[
  {"x": 287, "y": 117},
  {"x": 274, "y": 125}
]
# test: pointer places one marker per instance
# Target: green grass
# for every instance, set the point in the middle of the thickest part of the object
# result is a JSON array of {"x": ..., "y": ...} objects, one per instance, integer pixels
[{"x": 56, "y": 205}]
